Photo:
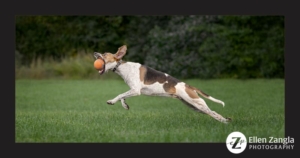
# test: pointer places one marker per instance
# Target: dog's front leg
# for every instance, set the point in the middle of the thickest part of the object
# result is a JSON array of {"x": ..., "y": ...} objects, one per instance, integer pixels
[
  {"x": 130, "y": 93},
  {"x": 125, "y": 105}
]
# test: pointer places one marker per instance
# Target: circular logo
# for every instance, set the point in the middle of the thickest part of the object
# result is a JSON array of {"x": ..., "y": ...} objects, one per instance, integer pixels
[{"x": 236, "y": 142}]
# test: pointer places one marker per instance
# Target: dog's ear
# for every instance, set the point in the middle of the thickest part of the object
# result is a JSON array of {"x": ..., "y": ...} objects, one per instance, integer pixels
[{"x": 121, "y": 52}]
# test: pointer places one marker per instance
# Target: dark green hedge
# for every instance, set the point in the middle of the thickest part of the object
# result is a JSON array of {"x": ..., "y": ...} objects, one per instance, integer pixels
[{"x": 184, "y": 46}]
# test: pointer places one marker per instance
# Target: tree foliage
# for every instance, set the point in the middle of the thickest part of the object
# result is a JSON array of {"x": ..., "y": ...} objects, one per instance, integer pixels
[{"x": 184, "y": 46}]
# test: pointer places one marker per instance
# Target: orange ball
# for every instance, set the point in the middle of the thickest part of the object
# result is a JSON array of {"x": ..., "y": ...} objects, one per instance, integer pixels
[{"x": 98, "y": 64}]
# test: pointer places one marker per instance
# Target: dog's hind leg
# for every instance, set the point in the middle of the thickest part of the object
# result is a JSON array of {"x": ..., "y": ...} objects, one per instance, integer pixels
[
  {"x": 191, "y": 98},
  {"x": 199, "y": 105},
  {"x": 190, "y": 105}
]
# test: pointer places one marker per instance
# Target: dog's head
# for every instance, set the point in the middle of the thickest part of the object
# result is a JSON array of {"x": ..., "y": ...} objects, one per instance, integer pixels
[{"x": 110, "y": 60}]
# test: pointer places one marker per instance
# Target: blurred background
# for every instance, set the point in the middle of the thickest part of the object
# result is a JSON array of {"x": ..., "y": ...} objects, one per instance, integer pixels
[{"x": 194, "y": 46}]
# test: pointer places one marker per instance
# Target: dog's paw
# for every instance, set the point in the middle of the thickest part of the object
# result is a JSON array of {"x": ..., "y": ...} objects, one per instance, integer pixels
[
  {"x": 228, "y": 119},
  {"x": 110, "y": 102},
  {"x": 124, "y": 104}
]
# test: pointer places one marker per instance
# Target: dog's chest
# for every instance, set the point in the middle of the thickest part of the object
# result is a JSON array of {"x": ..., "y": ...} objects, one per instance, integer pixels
[{"x": 130, "y": 73}]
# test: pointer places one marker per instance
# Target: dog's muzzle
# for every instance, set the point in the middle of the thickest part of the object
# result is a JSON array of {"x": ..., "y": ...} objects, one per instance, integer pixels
[{"x": 99, "y": 56}]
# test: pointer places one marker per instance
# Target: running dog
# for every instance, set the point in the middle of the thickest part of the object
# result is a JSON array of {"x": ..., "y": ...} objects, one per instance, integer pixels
[{"x": 144, "y": 80}]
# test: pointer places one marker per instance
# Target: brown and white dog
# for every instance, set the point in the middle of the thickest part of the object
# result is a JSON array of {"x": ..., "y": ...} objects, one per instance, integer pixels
[{"x": 145, "y": 80}]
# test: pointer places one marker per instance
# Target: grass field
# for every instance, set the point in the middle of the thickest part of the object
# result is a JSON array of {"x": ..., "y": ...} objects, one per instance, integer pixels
[{"x": 76, "y": 111}]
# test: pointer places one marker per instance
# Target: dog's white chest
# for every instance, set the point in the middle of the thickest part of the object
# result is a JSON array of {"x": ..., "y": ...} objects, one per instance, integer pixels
[{"x": 130, "y": 73}]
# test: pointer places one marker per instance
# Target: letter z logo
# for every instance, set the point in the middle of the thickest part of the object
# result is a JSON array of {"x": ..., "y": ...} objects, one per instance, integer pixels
[
  {"x": 237, "y": 139},
  {"x": 236, "y": 142}
]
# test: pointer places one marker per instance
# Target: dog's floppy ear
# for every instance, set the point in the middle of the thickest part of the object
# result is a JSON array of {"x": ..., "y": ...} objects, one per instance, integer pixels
[{"x": 121, "y": 52}]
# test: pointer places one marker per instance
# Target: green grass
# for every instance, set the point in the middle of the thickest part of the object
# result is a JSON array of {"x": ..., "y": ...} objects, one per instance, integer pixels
[{"x": 76, "y": 111}]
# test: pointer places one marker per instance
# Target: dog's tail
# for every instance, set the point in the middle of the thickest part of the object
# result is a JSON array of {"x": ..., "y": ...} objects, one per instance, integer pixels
[{"x": 208, "y": 97}]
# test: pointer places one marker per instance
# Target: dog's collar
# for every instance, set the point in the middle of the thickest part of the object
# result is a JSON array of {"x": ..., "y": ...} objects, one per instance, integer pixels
[{"x": 118, "y": 64}]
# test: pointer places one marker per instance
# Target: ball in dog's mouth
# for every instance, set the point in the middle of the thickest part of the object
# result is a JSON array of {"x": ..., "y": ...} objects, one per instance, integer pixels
[{"x": 100, "y": 65}]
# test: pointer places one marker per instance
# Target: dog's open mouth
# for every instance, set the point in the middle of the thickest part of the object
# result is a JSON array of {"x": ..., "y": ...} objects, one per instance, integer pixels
[
  {"x": 103, "y": 68},
  {"x": 102, "y": 71}
]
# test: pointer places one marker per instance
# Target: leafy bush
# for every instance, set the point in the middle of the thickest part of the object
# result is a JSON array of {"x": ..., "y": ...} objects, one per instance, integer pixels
[
  {"x": 219, "y": 47},
  {"x": 77, "y": 67},
  {"x": 183, "y": 46}
]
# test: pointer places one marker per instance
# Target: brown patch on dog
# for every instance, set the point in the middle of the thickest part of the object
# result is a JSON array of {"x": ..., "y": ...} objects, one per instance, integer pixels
[
  {"x": 204, "y": 94},
  {"x": 198, "y": 91},
  {"x": 169, "y": 87},
  {"x": 109, "y": 57},
  {"x": 143, "y": 71},
  {"x": 152, "y": 76},
  {"x": 191, "y": 92}
]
